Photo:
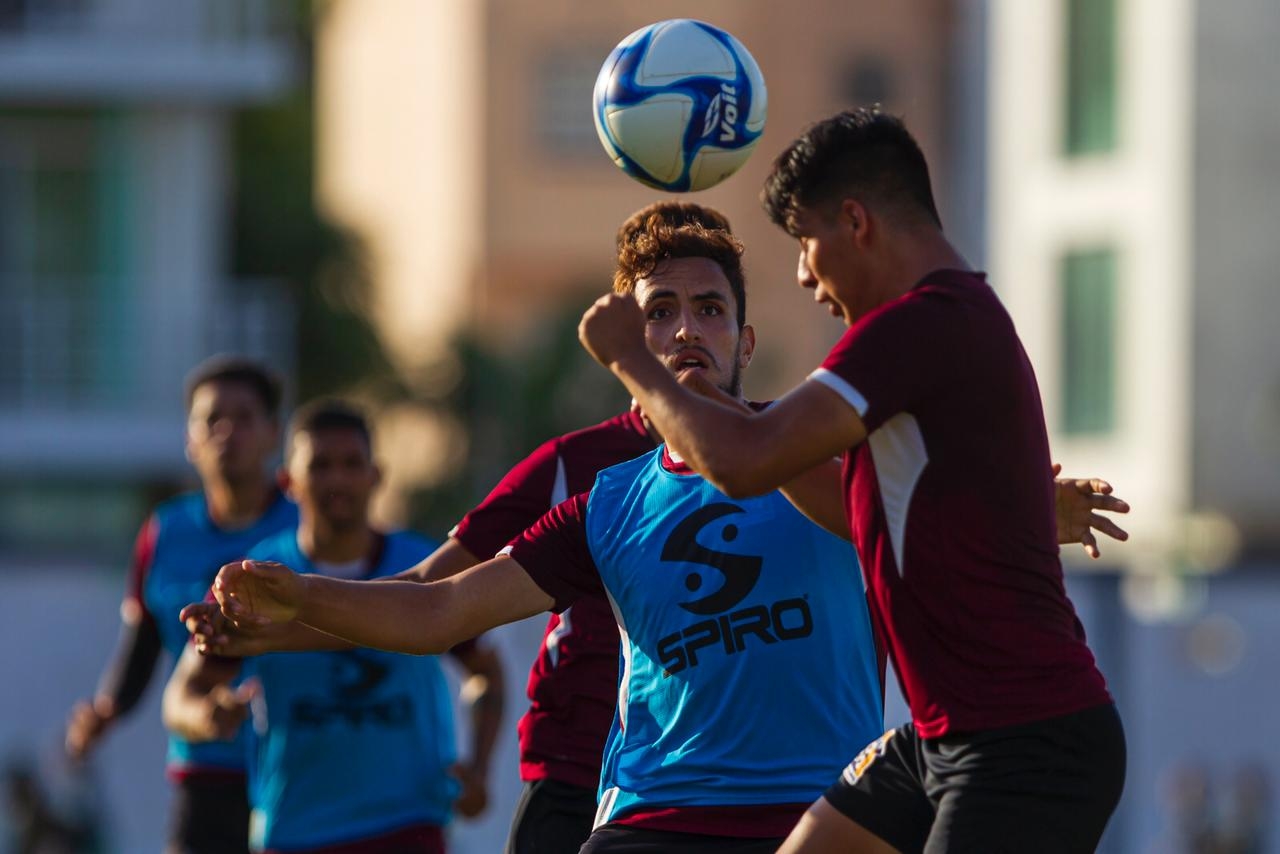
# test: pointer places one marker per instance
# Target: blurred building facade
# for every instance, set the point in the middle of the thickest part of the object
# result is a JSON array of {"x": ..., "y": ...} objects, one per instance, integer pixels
[
  {"x": 457, "y": 140},
  {"x": 115, "y": 158},
  {"x": 1133, "y": 168},
  {"x": 114, "y": 166},
  {"x": 1130, "y": 195}
]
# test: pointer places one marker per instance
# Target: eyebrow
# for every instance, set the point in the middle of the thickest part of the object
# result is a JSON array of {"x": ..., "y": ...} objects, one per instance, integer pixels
[{"x": 705, "y": 296}]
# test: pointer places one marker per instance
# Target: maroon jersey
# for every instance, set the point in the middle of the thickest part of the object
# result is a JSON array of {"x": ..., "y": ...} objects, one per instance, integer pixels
[
  {"x": 951, "y": 505},
  {"x": 574, "y": 681}
]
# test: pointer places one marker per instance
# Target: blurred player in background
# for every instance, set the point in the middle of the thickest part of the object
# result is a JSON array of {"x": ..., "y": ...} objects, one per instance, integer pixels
[
  {"x": 232, "y": 432},
  {"x": 1015, "y": 744},
  {"x": 351, "y": 748}
]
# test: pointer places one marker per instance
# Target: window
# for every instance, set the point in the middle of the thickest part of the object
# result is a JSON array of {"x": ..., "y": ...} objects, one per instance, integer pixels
[
  {"x": 868, "y": 81},
  {"x": 1090, "y": 123},
  {"x": 1089, "y": 341},
  {"x": 562, "y": 114},
  {"x": 64, "y": 256}
]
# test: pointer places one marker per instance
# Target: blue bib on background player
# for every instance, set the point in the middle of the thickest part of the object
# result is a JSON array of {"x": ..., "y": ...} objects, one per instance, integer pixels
[
  {"x": 351, "y": 744},
  {"x": 189, "y": 551},
  {"x": 749, "y": 670}
]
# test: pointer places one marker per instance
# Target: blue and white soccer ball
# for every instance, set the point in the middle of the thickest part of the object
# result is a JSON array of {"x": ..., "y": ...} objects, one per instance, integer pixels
[{"x": 679, "y": 105}]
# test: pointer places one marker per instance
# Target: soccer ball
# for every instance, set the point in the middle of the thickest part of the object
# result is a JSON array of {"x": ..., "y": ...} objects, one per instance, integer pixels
[{"x": 679, "y": 105}]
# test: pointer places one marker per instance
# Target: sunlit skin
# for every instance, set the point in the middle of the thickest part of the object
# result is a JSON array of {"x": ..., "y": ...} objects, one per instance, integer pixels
[
  {"x": 230, "y": 437},
  {"x": 332, "y": 477},
  {"x": 690, "y": 322},
  {"x": 854, "y": 259}
]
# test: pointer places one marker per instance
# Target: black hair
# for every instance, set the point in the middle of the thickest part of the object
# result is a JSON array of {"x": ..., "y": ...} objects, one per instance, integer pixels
[
  {"x": 859, "y": 152},
  {"x": 236, "y": 369}
]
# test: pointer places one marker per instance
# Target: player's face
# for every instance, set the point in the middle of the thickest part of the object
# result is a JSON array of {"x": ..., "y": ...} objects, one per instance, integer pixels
[
  {"x": 332, "y": 477},
  {"x": 830, "y": 264},
  {"x": 691, "y": 321},
  {"x": 230, "y": 436}
]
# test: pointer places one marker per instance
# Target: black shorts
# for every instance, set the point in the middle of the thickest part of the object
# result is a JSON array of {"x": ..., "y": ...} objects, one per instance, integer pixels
[
  {"x": 621, "y": 839},
  {"x": 1048, "y": 786},
  {"x": 552, "y": 818},
  {"x": 210, "y": 816}
]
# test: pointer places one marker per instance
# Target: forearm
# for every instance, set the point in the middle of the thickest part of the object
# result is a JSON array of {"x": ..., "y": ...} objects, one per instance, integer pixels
[
  {"x": 297, "y": 637},
  {"x": 711, "y": 437},
  {"x": 185, "y": 708},
  {"x": 445, "y": 562},
  {"x": 819, "y": 495},
  {"x": 487, "y": 698},
  {"x": 185, "y": 714},
  {"x": 127, "y": 676},
  {"x": 398, "y": 616}
]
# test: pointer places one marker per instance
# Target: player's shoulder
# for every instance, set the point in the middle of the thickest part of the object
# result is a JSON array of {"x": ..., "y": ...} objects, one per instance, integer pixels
[
  {"x": 622, "y": 476},
  {"x": 946, "y": 288},
  {"x": 626, "y": 428}
]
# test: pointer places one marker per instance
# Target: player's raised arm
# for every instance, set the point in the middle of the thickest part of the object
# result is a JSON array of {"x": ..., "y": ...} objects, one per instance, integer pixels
[
  {"x": 399, "y": 616},
  {"x": 742, "y": 454}
]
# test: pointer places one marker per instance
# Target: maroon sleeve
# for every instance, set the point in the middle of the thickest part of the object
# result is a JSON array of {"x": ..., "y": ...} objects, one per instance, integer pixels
[
  {"x": 144, "y": 551},
  {"x": 519, "y": 500},
  {"x": 554, "y": 552},
  {"x": 895, "y": 356}
]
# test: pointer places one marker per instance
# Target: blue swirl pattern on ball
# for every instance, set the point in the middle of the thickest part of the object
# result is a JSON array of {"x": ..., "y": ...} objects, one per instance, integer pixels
[{"x": 679, "y": 105}]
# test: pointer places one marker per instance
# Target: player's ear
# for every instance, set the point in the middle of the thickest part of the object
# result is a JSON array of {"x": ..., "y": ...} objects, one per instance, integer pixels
[
  {"x": 285, "y": 482},
  {"x": 853, "y": 214},
  {"x": 746, "y": 345}
]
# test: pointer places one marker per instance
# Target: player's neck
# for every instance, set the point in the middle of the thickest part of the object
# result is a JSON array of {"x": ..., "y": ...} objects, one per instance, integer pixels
[
  {"x": 238, "y": 505},
  {"x": 923, "y": 253},
  {"x": 326, "y": 544}
]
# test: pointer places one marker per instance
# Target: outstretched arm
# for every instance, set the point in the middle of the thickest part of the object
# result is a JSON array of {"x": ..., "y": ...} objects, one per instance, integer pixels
[
  {"x": 741, "y": 453},
  {"x": 214, "y": 634},
  {"x": 399, "y": 616}
]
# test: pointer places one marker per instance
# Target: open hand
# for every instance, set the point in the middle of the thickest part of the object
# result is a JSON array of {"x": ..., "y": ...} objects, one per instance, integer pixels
[
  {"x": 1079, "y": 503},
  {"x": 88, "y": 723},
  {"x": 252, "y": 594},
  {"x": 226, "y": 708},
  {"x": 214, "y": 634},
  {"x": 473, "y": 798}
]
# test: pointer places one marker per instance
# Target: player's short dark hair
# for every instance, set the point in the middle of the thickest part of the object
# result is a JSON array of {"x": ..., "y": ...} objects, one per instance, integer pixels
[
  {"x": 237, "y": 369},
  {"x": 673, "y": 213},
  {"x": 658, "y": 241},
  {"x": 318, "y": 416},
  {"x": 861, "y": 152}
]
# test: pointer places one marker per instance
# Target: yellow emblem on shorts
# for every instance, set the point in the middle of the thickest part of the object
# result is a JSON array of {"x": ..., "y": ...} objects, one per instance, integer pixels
[{"x": 866, "y": 758}]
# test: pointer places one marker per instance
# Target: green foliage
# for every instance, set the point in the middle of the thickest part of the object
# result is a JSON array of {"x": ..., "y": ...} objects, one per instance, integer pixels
[
  {"x": 511, "y": 402},
  {"x": 277, "y": 233}
]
